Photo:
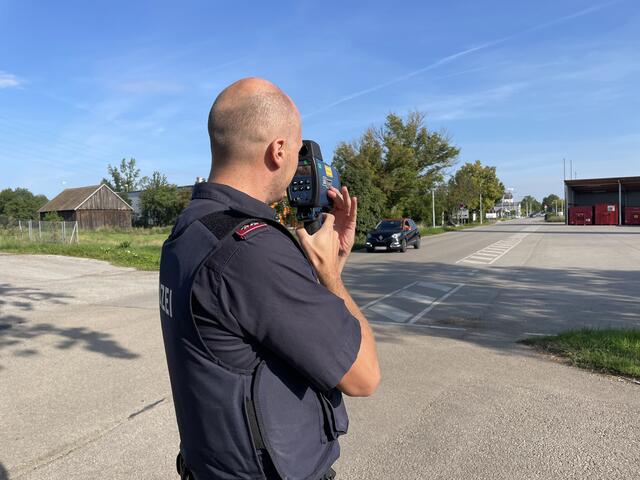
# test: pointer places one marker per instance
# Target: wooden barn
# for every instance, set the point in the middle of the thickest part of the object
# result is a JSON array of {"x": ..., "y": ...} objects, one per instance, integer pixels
[{"x": 92, "y": 207}]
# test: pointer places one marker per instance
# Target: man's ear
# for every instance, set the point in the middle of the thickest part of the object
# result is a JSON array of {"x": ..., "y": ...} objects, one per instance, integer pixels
[{"x": 275, "y": 157}]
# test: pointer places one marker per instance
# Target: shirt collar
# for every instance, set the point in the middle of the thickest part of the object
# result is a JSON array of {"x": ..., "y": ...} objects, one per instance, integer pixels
[{"x": 233, "y": 198}]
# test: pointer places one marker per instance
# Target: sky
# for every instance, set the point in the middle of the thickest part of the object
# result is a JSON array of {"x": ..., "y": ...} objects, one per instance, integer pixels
[{"x": 518, "y": 85}]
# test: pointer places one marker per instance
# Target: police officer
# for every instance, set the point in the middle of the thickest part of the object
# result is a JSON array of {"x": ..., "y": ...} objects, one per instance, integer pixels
[{"x": 261, "y": 335}]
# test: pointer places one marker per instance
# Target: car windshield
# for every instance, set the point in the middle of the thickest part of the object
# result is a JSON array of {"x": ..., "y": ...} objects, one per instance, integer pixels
[{"x": 389, "y": 224}]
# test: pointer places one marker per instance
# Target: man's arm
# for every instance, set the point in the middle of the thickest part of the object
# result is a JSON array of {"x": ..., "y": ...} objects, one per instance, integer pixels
[{"x": 323, "y": 249}]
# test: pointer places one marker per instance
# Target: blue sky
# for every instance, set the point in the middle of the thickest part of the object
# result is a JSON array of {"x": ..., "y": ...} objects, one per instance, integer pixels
[{"x": 518, "y": 85}]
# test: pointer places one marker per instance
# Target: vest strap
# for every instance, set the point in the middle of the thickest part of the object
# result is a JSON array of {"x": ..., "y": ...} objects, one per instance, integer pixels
[{"x": 222, "y": 225}]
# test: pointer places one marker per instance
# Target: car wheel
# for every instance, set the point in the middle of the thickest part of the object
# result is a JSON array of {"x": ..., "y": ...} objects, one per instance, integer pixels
[
  {"x": 417, "y": 244},
  {"x": 403, "y": 246}
]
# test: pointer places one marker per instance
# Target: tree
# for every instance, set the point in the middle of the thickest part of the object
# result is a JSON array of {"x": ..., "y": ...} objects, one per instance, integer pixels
[
  {"x": 551, "y": 202},
  {"x": 530, "y": 205},
  {"x": 124, "y": 178},
  {"x": 357, "y": 164},
  {"x": 392, "y": 169},
  {"x": 20, "y": 204},
  {"x": 160, "y": 202},
  {"x": 469, "y": 182},
  {"x": 414, "y": 160}
]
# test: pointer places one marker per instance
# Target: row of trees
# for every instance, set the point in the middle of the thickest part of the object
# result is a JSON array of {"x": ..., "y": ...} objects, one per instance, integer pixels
[
  {"x": 550, "y": 203},
  {"x": 394, "y": 169},
  {"x": 20, "y": 204}
]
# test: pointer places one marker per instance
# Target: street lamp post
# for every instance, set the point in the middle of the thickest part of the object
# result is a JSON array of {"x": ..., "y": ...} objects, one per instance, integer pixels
[{"x": 433, "y": 207}]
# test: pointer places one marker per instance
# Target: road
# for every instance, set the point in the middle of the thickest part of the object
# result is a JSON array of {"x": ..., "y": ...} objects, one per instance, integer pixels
[{"x": 85, "y": 392}]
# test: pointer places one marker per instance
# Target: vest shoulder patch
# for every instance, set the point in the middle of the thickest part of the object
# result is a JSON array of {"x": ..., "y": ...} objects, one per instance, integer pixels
[{"x": 247, "y": 231}]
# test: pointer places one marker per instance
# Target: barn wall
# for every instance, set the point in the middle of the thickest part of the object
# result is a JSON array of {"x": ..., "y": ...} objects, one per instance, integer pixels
[
  {"x": 93, "y": 219},
  {"x": 103, "y": 199}
]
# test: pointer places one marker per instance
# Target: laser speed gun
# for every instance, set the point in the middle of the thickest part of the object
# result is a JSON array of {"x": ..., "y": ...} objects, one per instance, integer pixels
[{"x": 307, "y": 192}]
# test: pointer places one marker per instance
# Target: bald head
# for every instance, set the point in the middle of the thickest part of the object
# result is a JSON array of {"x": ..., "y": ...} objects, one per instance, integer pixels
[{"x": 246, "y": 117}]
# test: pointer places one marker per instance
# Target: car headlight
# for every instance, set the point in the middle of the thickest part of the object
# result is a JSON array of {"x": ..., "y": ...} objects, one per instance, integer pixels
[{"x": 395, "y": 236}]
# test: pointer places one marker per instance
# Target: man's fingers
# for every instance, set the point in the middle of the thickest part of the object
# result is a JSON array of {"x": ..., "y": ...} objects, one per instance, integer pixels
[
  {"x": 354, "y": 208},
  {"x": 338, "y": 199},
  {"x": 346, "y": 199}
]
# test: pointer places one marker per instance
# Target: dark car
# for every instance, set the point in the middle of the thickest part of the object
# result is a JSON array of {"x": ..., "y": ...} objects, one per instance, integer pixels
[{"x": 394, "y": 234}]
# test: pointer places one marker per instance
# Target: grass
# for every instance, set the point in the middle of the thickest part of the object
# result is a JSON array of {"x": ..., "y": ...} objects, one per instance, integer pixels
[
  {"x": 138, "y": 248},
  {"x": 608, "y": 351},
  {"x": 554, "y": 218}
]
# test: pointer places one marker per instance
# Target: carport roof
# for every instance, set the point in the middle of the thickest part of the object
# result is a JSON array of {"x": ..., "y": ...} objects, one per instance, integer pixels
[{"x": 596, "y": 185}]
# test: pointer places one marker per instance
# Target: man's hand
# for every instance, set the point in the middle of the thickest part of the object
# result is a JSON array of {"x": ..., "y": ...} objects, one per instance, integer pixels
[
  {"x": 345, "y": 210},
  {"x": 323, "y": 249}
]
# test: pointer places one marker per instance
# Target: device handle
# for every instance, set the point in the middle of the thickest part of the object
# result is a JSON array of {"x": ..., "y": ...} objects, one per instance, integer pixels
[{"x": 314, "y": 225}]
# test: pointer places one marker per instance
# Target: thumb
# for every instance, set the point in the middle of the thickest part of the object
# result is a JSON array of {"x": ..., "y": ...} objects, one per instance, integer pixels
[
  {"x": 302, "y": 234},
  {"x": 328, "y": 222}
]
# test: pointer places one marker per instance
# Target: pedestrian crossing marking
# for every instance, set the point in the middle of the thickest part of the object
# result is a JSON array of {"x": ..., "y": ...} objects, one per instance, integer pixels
[
  {"x": 435, "y": 286},
  {"x": 392, "y": 313},
  {"x": 491, "y": 253},
  {"x": 416, "y": 297}
]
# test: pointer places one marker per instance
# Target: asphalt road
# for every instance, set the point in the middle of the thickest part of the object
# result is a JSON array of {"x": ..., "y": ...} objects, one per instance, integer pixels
[{"x": 85, "y": 395}]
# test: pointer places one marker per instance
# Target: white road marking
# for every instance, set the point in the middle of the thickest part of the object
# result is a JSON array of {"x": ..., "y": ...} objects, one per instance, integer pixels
[
  {"x": 491, "y": 253},
  {"x": 392, "y": 313},
  {"x": 416, "y": 297},
  {"x": 373, "y": 302},
  {"x": 536, "y": 334},
  {"x": 440, "y": 327},
  {"x": 434, "y": 304},
  {"x": 435, "y": 286},
  {"x": 420, "y": 325}
]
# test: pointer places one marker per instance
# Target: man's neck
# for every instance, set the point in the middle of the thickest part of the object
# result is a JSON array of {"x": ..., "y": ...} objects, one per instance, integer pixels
[{"x": 245, "y": 183}]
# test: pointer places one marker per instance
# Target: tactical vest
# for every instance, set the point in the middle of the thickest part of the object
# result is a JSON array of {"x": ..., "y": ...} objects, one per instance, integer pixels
[{"x": 225, "y": 415}]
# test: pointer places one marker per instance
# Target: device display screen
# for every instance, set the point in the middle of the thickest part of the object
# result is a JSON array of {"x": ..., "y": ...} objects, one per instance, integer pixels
[{"x": 303, "y": 170}]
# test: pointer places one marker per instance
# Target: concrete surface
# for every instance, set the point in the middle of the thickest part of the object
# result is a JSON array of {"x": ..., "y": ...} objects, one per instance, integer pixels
[{"x": 85, "y": 392}]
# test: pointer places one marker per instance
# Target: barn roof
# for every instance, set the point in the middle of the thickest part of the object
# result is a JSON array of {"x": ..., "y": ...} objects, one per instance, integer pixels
[{"x": 72, "y": 198}]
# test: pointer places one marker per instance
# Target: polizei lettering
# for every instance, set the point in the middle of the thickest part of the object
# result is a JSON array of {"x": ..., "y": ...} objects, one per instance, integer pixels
[{"x": 166, "y": 300}]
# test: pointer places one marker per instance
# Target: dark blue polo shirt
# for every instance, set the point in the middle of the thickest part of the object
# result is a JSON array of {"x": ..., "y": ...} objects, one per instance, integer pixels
[{"x": 267, "y": 296}]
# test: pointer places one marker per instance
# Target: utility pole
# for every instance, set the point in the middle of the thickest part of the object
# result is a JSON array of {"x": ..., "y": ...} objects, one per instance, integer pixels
[
  {"x": 433, "y": 207},
  {"x": 571, "y": 169},
  {"x": 480, "y": 207}
]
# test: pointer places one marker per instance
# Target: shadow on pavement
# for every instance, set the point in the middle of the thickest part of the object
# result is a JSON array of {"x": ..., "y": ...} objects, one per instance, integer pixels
[
  {"x": 499, "y": 305},
  {"x": 16, "y": 329}
]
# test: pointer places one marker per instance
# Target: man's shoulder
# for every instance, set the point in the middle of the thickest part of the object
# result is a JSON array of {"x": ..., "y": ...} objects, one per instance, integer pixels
[{"x": 258, "y": 237}]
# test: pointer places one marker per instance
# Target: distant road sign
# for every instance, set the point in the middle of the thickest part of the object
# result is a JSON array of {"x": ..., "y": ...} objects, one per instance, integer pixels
[{"x": 463, "y": 213}]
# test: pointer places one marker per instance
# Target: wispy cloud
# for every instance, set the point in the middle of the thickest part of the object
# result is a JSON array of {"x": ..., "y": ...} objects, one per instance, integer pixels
[
  {"x": 463, "y": 53},
  {"x": 8, "y": 80},
  {"x": 472, "y": 105}
]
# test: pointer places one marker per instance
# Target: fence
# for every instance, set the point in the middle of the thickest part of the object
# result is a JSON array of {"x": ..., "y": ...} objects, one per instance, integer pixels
[{"x": 40, "y": 231}]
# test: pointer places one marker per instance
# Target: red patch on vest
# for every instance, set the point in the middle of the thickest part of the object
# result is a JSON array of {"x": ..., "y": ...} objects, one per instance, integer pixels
[{"x": 249, "y": 228}]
